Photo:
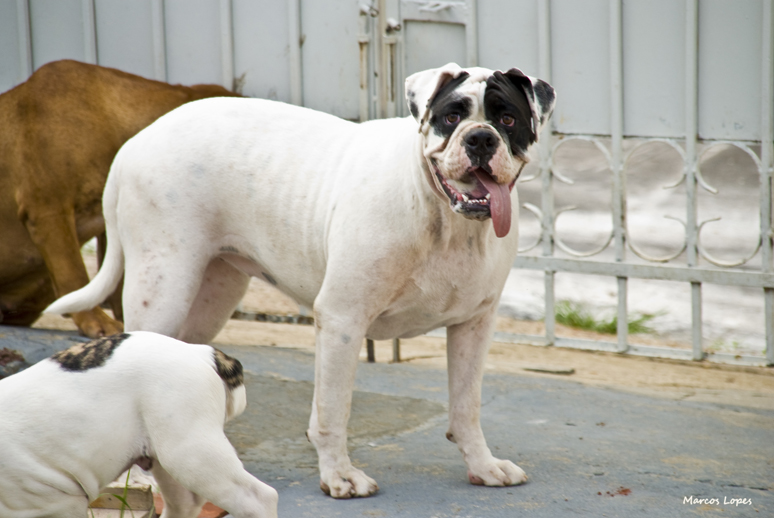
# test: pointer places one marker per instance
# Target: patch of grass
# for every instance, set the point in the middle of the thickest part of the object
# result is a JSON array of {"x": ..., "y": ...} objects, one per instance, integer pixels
[{"x": 574, "y": 314}]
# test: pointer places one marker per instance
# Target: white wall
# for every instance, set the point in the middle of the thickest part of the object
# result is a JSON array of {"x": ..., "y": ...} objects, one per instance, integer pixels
[{"x": 506, "y": 35}]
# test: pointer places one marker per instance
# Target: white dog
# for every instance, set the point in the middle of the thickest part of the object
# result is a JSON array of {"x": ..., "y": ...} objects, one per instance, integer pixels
[
  {"x": 388, "y": 228},
  {"x": 70, "y": 424}
]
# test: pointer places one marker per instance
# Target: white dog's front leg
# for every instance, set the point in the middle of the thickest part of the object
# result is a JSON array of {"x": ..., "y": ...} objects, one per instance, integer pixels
[
  {"x": 467, "y": 346},
  {"x": 337, "y": 349}
]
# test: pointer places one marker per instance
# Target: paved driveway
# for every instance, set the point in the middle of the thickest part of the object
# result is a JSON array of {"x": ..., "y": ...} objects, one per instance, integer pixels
[{"x": 588, "y": 451}]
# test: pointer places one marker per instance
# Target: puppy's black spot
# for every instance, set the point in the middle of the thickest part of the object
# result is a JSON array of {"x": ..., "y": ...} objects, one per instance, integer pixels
[
  {"x": 83, "y": 357},
  {"x": 506, "y": 94},
  {"x": 229, "y": 369},
  {"x": 269, "y": 278}
]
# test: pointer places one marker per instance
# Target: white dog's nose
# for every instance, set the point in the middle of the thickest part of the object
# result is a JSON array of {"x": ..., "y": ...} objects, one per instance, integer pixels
[{"x": 481, "y": 143}]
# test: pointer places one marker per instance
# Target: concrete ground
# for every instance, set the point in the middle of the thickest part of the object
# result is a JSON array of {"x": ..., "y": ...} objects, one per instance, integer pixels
[{"x": 590, "y": 448}]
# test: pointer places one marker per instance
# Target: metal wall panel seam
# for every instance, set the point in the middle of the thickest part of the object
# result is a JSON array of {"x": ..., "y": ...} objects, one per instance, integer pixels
[
  {"x": 388, "y": 50},
  {"x": 227, "y": 43},
  {"x": 24, "y": 32},
  {"x": 89, "y": 32},
  {"x": 471, "y": 33},
  {"x": 380, "y": 26},
  {"x": 364, "y": 42},
  {"x": 294, "y": 55},
  {"x": 159, "y": 40}
]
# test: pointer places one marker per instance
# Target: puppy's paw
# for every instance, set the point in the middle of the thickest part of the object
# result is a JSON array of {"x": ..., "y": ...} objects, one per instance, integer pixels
[
  {"x": 351, "y": 483},
  {"x": 496, "y": 472}
]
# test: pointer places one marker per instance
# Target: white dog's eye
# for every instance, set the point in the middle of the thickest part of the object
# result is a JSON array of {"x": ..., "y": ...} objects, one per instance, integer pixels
[
  {"x": 507, "y": 120},
  {"x": 453, "y": 118}
]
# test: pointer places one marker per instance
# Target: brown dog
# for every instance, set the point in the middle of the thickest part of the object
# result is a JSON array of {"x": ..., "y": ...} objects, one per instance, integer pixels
[{"x": 59, "y": 132}]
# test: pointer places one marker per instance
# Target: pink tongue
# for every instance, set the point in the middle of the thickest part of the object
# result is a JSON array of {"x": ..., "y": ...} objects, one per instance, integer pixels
[{"x": 499, "y": 203}]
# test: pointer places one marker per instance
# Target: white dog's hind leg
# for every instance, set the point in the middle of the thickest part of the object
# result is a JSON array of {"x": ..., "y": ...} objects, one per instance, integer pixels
[
  {"x": 223, "y": 286},
  {"x": 336, "y": 357},
  {"x": 178, "y": 501},
  {"x": 160, "y": 289},
  {"x": 467, "y": 347}
]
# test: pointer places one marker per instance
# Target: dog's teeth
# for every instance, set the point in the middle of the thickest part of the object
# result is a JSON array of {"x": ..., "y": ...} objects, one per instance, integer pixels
[
  {"x": 488, "y": 195},
  {"x": 465, "y": 197}
]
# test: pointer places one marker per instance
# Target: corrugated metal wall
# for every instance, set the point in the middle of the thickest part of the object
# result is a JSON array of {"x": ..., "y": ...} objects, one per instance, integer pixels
[{"x": 194, "y": 41}]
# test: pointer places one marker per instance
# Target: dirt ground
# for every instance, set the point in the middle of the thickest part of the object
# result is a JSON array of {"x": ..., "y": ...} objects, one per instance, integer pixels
[{"x": 745, "y": 386}]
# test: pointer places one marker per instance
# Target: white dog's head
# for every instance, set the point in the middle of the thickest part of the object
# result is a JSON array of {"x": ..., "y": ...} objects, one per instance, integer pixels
[{"x": 478, "y": 125}]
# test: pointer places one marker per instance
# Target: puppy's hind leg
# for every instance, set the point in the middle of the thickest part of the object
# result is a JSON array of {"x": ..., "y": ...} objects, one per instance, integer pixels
[
  {"x": 179, "y": 502},
  {"x": 65, "y": 506}
]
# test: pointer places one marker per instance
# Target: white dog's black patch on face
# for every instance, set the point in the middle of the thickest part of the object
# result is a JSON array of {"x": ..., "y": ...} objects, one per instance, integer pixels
[
  {"x": 506, "y": 107},
  {"x": 449, "y": 107},
  {"x": 83, "y": 357},
  {"x": 229, "y": 369}
]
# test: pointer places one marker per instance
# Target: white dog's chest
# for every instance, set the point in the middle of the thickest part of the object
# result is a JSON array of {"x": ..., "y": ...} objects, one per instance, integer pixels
[{"x": 445, "y": 290}]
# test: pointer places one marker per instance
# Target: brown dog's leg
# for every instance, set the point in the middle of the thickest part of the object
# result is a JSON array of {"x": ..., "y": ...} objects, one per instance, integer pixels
[
  {"x": 115, "y": 298},
  {"x": 23, "y": 300},
  {"x": 55, "y": 236}
]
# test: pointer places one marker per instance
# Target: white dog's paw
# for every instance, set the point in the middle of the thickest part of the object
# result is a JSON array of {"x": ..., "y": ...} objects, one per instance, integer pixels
[
  {"x": 351, "y": 483},
  {"x": 496, "y": 472}
]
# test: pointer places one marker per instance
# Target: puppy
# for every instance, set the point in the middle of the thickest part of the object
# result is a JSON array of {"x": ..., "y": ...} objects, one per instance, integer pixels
[{"x": 72, "y": 423}]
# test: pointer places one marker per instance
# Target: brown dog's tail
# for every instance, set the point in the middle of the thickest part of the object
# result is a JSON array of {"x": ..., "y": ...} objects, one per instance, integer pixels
[{"x": 109, "y": 274}]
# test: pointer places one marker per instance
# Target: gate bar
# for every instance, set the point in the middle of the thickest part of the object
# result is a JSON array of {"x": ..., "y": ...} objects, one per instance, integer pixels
[
  {"x": 691, "y": 107},
  {"x": 616, "y": 137},
  {"x": 767, "y": 135},
  {"x": 547, "y": 188}
]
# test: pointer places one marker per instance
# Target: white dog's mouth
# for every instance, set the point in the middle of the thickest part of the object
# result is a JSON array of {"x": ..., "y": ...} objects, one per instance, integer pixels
[{"x": 479, "y": 198}]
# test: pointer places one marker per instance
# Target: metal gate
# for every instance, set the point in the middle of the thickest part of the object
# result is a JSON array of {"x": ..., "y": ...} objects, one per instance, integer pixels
[{"x": 404, "y": 36}]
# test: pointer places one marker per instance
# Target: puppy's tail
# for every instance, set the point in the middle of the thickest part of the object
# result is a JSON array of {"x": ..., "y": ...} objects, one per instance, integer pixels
[
  {"x": 231, "y": 373},
  {"x": 109, "y": 275}
]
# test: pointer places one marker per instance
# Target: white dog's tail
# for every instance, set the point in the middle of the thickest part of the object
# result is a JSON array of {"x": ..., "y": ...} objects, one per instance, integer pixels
[{"x": 109, "y": 275}]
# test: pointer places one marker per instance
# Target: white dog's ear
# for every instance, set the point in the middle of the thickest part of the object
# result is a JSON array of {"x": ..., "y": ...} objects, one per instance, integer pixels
[
  {"x": 543, "y": 101},
  {"x": 540, "y": 95},
  {"x": 422, "y": 87}
]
